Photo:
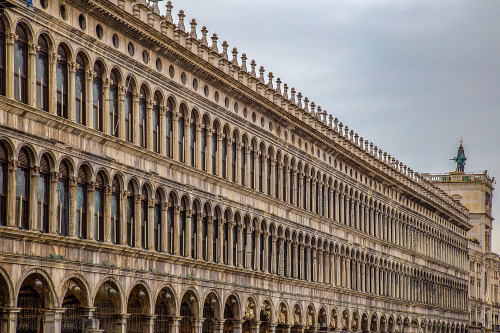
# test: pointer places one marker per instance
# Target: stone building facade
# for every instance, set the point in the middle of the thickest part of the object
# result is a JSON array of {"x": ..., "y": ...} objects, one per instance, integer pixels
[
  {"x": 150, "y": 184},
  {"x": 475, "y": 192}
]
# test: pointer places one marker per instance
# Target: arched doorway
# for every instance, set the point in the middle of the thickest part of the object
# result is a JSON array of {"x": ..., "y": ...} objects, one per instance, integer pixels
[
  {"x": 210, "y": 307},
  {"x": 138, "y": 303},
  {"x": 33, "y": 299},
  {"x": 230, "y": 313},
  {"x": 107, "y": 304},
  {"x": 164, "y": 309},
  {"x": 188, "y": 312},
  {"x": 75, "y": 299},
  {"x": 265, "y": 317},
  {"x": 249, "y": 316}
]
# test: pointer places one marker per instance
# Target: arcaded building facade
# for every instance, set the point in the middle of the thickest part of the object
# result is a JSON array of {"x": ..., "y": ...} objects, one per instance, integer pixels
[{"x": 150, "y": 182}]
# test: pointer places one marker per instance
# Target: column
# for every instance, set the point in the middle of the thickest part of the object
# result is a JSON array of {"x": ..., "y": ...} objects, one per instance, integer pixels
[
  {"x": 151, "y": 227},
  {"x": 72, "y": 206},
  {"x": 197, "y": 146},
  {"x": 174, "y": 324},
  {"x": 198, "y": 323},
  {"x": 308, "y": 193},
  {"x": 288, "y": 263},
  {"x": 52, "y": 84},
  {"x": 274, "y": 269},
  {"x": 149, "y": 323},
  {"x": 138, "y": 220},
  {"x": 273, "y": 177},
  {"x": 121, "y": 112},
  {"x": 71, "y": 91},
  {"x": 89, "y": 98},
  {"x": 177, "y": 211},
  {"x": 32, "y": 48},
  {"x": 248, "y": 249},
  {"x": 161, "y": 140},
  {"x": 319, "y": 265},
  {"x": 247, "y": 166},
  {"x": 149, "y": 125},
  {"x": 287, "y": 184},
  {"x": 123, "y": 217},
  {"x": 218, "y": 326},
  {"x": 135, "y": 119},
  {"x": 11, "y": 194},
  {"x": 121, "y": 323},
  {"x": 256, "y": 171},
  {"x": 295, "y": 261},
  {"x": 266, "y": 253},
  {"x": 52, "y": 320},
  {"x": 357, "y": 205},
  {"x": 257, "y": 249},
  {"x": 105, "y": 106},
  {"x": 164, "y": 230},
  {"x": 314, "y": 184},
  {"x": 337, "y": 203},
  {"x": 362, "y": 217},
  {"x": 107, "y": 214},
  {"x": 264, "y": 173},
  {"x": 239, "y": 253},
  {"x": 302, "y": 268},
  {"x": 210, "y": 238},
  {"x": 8, "y": 320},
  {"x": 230, "y": 242},
  {"x": 90, "y": 211},
  {"x": 10, "y": 39},
  {"x": 300, "y": 190},
  {"x": 208, "y": 151},
  {"x": 220, "y": 242},
  {"x": 237, "y": 326},
  {"x": 308, "y": 275},
  {"x": 199, "y": 236},
  {"x": 33, "y": 209},
  {"x": 237, "y": 167},
  {"x": 281, "y": 264},
  {"x": 187, "y": 141},
  {"x": 255, "y": 327},
  {"x": 219, "y": 155},
  {"x": 189, "y": 228}
]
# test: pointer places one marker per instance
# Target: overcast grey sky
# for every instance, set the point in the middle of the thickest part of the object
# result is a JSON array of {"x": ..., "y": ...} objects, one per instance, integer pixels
[{"x": 412, "y": 76}]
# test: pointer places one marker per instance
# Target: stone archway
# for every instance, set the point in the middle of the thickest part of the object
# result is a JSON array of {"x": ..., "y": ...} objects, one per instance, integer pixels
[
  {"x": 230, "y": 314},
  {"x": 75, "y": 302},
  {"x": 210, "y": 312},
  {"x": 188, "y": 312},
  {"x": 107, "y": 305},
  {"x": 164, "y": 311}
]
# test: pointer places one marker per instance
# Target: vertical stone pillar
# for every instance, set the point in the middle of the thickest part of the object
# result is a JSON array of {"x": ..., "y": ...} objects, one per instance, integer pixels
[
  {"x": 264, "y": 172},
  {"x": 314, "y": 185},
  {"x": 177, "y": 211},
  {"x": 295, "y": 261},
  {"x": 89, "y": 98},
  {"x": 281, "y": 264},
  {"x": 189, "y": 228},
  {"x": 249, "y": 249},
  {"x": 199, "y": 236},
  {"x": 121, "y": 112},
  {"x": 308, "y": 272},
  {"x": 175, "y": 135},
  {"x": 149, "y": 125},
  {"x": 257, "y": 249},
  {"x": 187, "y": 141},
  {"x": 71, "y": 91},
  {"x": 197, "y": 146},
  {"x": 266, "y": 252},
  {"x": 52, "y": 84},
  {"x": 237, "y": 326},
  {"x": 8, "y": 320},
  {"x": 274, "y": 269},
  {"x": 255, "y": 326},
  {"x": 247, "y": 166},
  {"x": 121, "y": 323},
  {"x": 11, "y": 194},
  {"x": 300, "y": 191},
  {"x": 149, "y": 323},
  {"x": 162, "y": 143},
  {"x": 73, "y": 183},
  {"x": 52, "y": 320},
  {"x": 301, "y": 267},
  {"x": 341, "y": 208},
  {"x": 32, "y": 49},
  {"x": 255, "y": 171},
  {"x": 230, "y": 242},
  {"x": 239, "y": 249},
  {"x": 123, "y": 217},
  {"x": 10, "y": 39},
  {"x": 287, "y": 185},
  {"x": 107, "y": 214},
  {"x": 33, "y": 198},
  {"x": 337, "y": 206},
  {"x": 237, "y": 166},
  {"x": 308, "y": 193},
  {"x": 288, "y": 262},
  {"x": 174, "y": 324},
  {"x": 106, "y": 121},
  {"x": 198, "y": 325},
  {"x": 138, "y": 220},
  {"x": 219, "y": 154},
  {"x": 319, "y": 265},
  {"x": 220, "y": 241},
  {"x": 274, "y": 176},
  {"x": 164, "y": 227},
  {"x": 150, "y": 226},
  {"x": 208, "y": 152},
  {"x": 218, "y": 326},
  {"x": 90, "y": 211},
  {"x": 135, "y": 119},
  {"x": 210, "y": 238}
]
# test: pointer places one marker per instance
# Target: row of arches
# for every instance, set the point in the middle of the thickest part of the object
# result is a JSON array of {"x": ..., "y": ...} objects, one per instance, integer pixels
[
  {"x": 110, "y": 305},
  {"x": 77, "y": 88},
  {"x": 106, "y": 206}
]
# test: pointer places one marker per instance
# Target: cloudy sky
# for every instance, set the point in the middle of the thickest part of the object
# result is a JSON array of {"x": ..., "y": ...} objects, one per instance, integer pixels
[{"x": 412, "y": 76}]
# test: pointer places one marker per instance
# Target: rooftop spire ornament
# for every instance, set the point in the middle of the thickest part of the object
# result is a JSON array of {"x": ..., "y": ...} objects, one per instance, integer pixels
[{"x": 460, "y": 159}]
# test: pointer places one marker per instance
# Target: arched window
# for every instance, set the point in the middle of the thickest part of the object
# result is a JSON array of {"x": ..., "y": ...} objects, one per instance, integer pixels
[
  {"x": 144, "y": 218},
  {"x": 291, "y": 198},
  {"x": 113, "y": 105},
  {"x": 63, "y": 199},
  {"x": 130, "y": 215},
  {"x": 277, "y": 176},
  {"x": 233, "y": 158},
  {"x": 99, "y": 203},
  {"x": 304, "y": 191},
  {"x": 157, "y": 222},
  {"x": 156, "y": 123},
  {"x": 285, "y": 257},
  {"x": 268, "y": 172},
  {"x": 269, "y": 252},
  {"x": 214, "y": 149},
  {"x": 142, "y": 118},
  {"x": 2, "y": 58},
  {"x": 244, "y": 241},
  {"x": 115, "y": 212},
  {"x": 80, "y": 91},
  {"x": 192, "y": 139},
  {"x": 283, "y": 177},
  {"x": 180, "y": 132},
  {"x": 22, "y": 189},
  {"x": 43, "y": 195},
  {"x": 42, "y": 74},
  {"x": 81, "y": 204},
  {"x": 261, "y": 240},
  {"x": 252, "y": 166},
  {"x": 243, "y": 161},
  {"x": 277, "y": 256},
  {"x": 254, "y": 244},
  {"x": 97, "y": 106},
  {"x": 128, "y": 104},
  {"x": 306, "y": 264},
  {"x": 62, "y": 82},
  {"x": 3, "y": 184},
  {"x": 170, "y": 225},
  {"x": 224, "y": 155},
  {"x": 234, "y": 234},
  {"x": 168, "y": 128},
  {"x": 21, "y": 65},
  {"x": 203, "y": 144},
  {"x": 225, "y": 240},
  {"x": 204, "y": 226},
  {"x": 183, "y": 230}
]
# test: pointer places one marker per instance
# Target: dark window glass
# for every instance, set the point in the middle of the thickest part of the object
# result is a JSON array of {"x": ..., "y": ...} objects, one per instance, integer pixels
[
  {"x": 97, "y": 105},
  {"x": 215, "y": 238},
  {"x": 3, "y": 186},
  {"x": 62, "y": 83},
  {"x": 115, "y": 215},
  {"x": 2, "y": 58},
  {"x": 168, "y": 129},
  {"x": 42, "y": 75},
  {"x": 224, "y": 157},
  {"x": 204, "y": 231},
  {"x": 80, "y": 92},
  {"x": 130, "y": 215},
  {"x": 144, "y": 221},
  {"x": 243, "y": 164},
  {"x": 156, "y": 124},
  {"x": 128, "y": 104},
  {"x": 181, "y": 138},
  {"x": 142, "y": 119},
  {"x": 192, "y": 142},
  {"x": 21, "y": 66},
  {"x": 43, "y": 196},
  {"x": 113, "y": 105},
  {"x": 81, "y": 210},
  {"x": 157, "y": 226},
  {"x": 214, "y": 153}
]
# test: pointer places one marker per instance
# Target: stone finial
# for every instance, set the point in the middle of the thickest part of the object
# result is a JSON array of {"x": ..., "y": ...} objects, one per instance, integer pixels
[
  {"x": 371, "y": 148},
  {"x": 361, "y": 141},
  {"x": 180, "y": 25},
  {"x": 346, "y": 133},
  {"x": 366, "y": 146},
  {"x": 243, "y": 63},
  {"x": 313, "y": 106},
  {"x": 385, "y": 157},
  {"x": 319, "y": 113},
  {"x": 330, "y": 121},
  {"x": 356, "y": 142},
  {"x": 375, "y": 152},
  {"x": 341, "y": 126},
  {"x": 335, "y": 124},
  {"x": 252, "y": 72},
  {"x": 285, "y": 91},
  {"x": 292, "y": 97},
  {"x": 306, "y": 104},
  {"x": 203, "y": 40},
  {"x": 278, "y": 86},
  {"x": 168, "y": 15},
  {"x": 270, "y": 81},
  {"x": 380, "y": 154},
  {"x": 192, "y": 34},
  {"x": 214, "y": 47},
  {"x": 224, "y": 51},
  {"x": 299, "y": 100},
  {"x": 261, "y": 75},
  {"x": 154, "y": 7},
  {"x": 234, "y": 62},
  {"x": 351, "y": 136}
]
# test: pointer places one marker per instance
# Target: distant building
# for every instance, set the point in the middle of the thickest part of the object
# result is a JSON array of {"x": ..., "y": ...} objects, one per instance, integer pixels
[{"x": 474, "y": 191}]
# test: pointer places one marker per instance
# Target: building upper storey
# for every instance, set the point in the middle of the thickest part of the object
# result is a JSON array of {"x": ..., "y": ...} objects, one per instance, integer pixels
[{"x": 148, "y": 65}]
